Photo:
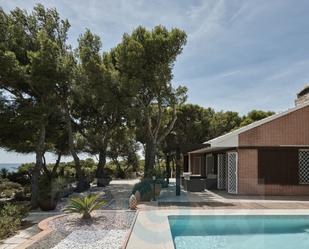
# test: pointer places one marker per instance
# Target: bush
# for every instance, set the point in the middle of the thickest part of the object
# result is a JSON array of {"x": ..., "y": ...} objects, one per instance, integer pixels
[
  {"x": 9, "y": 189},
  {"x": 120, "y": 174},
  {"x": 23, "y": 174},
  {"x": 144, "y": 187},
  {"x": 11, "y": 219}
]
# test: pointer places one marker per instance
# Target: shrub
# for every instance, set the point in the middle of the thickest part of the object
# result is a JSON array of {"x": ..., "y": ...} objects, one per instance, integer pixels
[
  {"x": 9, "y": 189},
  {"x": 120, "y": 173},
  {"x": 11, "y": 219},
  {"x": 84, "y": 205},
  {"x": 144, "y": 187}
]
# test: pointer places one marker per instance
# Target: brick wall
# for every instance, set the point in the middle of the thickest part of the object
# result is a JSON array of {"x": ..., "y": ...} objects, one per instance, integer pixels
[
  {"x": 248, "y": 178},
  {"x": 291, "y": 129}
]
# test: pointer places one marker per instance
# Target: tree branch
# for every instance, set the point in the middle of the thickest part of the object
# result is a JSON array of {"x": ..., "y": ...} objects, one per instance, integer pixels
[
  {"x": 170, "y": 126},
  {"x": 159, "y": 119}
]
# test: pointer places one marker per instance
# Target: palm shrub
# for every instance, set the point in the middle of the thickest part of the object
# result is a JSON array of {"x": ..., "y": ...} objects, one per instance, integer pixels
[{"x": 84, "y": 205}]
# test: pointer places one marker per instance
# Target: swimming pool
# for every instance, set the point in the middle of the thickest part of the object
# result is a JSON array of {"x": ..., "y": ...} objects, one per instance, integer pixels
[{"x": 240, "y": 231}]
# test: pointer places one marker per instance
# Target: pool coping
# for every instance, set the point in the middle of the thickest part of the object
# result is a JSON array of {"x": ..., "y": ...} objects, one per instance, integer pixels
[{"x": 152, "y": 231}]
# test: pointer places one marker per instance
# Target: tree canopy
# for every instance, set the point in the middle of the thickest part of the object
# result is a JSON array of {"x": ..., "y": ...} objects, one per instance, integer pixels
[{"x": 107, "y": 104}]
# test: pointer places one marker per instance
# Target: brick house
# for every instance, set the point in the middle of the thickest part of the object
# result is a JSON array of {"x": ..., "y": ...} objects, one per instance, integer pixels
[{"x": 267, "y": 157}]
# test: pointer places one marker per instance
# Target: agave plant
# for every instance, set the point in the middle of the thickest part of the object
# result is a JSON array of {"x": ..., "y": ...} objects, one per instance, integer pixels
[{"x": 84, "y": 205}]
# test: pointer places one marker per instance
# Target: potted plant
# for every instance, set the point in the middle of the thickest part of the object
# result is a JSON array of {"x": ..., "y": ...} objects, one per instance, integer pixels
[
  {"x": 157, "y": 189},
  {"x": 49, "y": 192}
]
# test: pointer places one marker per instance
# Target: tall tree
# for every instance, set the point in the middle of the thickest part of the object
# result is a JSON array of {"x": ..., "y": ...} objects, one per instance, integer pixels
[
  {"x": 31, "y": 46},
  {"x": 193, "y": 126},
  {"x": 145, "y": 61},
  {"x": 98, "y": 109}
]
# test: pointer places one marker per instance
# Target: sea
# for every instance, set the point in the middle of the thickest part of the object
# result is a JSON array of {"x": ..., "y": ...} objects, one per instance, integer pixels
[{"x": 11, "y": 167}]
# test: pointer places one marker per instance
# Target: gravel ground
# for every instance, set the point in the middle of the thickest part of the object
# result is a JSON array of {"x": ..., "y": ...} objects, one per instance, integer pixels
[
  {"x": 107, "y": 230},
  {"x": 80, "y": 239},
  {"x": 102, "y": 220}
]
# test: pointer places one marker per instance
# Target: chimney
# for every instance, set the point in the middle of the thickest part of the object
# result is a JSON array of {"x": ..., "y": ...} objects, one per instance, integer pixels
[{"x": 302, "y": 96}]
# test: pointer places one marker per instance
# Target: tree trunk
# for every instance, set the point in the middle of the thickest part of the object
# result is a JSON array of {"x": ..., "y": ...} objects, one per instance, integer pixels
[
  {"x": 101, "y": 164},
  {"x": 168, "y": 167},
  {"x": 118, "y": 167},
  {"x": 55, "y": 168},
  {"x": 81, "y": 183},
  {"x": 37, "y": 168},
  {"x": 178, "y": 164},
  {"x": 150, "y": 157}
]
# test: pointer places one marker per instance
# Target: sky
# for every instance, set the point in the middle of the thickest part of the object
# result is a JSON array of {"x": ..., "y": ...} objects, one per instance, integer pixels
[{"x": 240, "y": 54}]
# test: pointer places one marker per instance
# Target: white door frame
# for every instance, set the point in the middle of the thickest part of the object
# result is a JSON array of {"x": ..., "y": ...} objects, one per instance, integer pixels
[{"x": 232, "y": 191}]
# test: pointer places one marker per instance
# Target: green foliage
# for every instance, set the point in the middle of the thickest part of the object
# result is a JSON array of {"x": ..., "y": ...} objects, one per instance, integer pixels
[
  {"x": 84, "y": 205},
  {"x": 9, "y": 189},
  {"x": 11, "y": 219},
  {"x": 193, "y": 126},
  {"x": 89, "y": 167},
  {"x": 4, "y": 173},
  {"x": 105, "y": 103},
  {"x": 22, "y": 175},
  {"x": 224, "y": 122},
  {"x": 144, "y": 187},
  {"x": 145, "y": 61},
  {"x": 255, "y": 115}
]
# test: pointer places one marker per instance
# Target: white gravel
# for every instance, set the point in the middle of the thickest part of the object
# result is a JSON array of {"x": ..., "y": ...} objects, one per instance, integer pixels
[
  {"x": 80, "y": 239},
  {"x": 101, "y": 220},
  {"x": 107, "y": 229}
]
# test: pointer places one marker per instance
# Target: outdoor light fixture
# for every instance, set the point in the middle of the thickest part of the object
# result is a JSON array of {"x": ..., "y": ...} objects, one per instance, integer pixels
[{"x": 154, "y": 187}]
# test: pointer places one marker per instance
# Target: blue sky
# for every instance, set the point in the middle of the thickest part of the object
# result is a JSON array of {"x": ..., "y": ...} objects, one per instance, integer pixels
[{"x": 240, "y": 55}]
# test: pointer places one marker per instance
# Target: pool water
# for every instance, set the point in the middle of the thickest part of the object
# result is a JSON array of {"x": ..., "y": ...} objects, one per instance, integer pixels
[{"x": 240, "y": 231}]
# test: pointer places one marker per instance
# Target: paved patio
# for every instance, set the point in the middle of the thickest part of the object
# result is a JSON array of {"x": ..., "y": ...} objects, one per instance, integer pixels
[{"x": 220, "y": 199}]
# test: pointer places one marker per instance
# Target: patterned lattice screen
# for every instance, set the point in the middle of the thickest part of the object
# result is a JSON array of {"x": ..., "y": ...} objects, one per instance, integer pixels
[
  {"x": 232, "y": 172},
  {"x": 221, "y": 171},
  {"x": 303, "y": 160}
]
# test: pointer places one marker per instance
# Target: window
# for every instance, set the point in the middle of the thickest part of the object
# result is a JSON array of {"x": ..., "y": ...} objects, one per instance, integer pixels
[
  {"x": 278, "y": 166},
  {"x": 303, "y": 162}
]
